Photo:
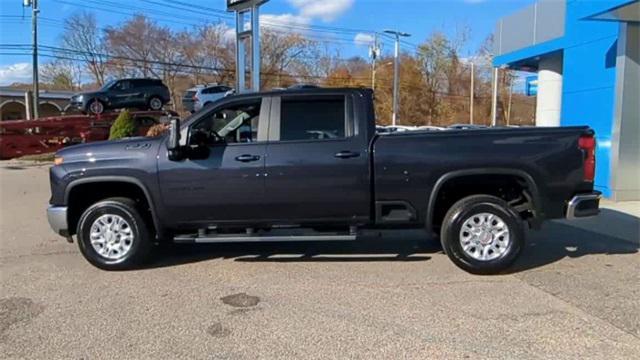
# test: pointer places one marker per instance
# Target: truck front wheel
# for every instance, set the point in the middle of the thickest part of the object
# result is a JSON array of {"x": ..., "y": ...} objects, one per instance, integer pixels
[
  {"x": 482, "y": 234},
  {"x": 112, "y": 235}
]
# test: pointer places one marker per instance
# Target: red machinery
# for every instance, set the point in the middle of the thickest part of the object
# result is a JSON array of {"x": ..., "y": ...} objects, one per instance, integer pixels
[{"x": 45, "y": 135}]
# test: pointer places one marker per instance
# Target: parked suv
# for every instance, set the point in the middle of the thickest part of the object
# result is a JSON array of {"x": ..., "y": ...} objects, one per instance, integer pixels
[
  {"x": 124, "y": 93},
  {"x": 200, "y": 96}
]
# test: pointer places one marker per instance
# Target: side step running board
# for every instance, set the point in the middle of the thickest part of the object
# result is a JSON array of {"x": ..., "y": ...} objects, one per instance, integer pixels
[{"x": 256, "y": 238}]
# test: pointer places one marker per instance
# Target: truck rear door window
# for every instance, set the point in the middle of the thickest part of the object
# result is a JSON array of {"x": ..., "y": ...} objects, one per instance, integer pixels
[{"x": 322, "y": 118}]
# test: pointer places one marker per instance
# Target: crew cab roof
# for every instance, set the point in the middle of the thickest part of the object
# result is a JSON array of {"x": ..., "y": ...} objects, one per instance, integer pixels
[{"x": 304, "y": 91}]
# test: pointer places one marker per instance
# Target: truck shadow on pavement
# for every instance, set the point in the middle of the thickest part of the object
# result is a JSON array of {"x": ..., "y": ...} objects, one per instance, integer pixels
[{"x": 611, "y": 233}]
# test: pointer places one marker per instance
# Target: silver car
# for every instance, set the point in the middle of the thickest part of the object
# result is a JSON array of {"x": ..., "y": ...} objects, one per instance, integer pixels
[{"x": 200, "y": 96}]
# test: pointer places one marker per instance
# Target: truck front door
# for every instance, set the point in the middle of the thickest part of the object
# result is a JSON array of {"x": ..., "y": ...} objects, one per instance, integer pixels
[
  {"x": 317, "y": 162},
  {"x": 222, "y": 181}
]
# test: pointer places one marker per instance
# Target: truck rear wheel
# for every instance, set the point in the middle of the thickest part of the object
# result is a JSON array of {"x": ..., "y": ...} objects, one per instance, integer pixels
[
  {"x": 482, "y": 234},
  {"x": 112, "y": 235}
]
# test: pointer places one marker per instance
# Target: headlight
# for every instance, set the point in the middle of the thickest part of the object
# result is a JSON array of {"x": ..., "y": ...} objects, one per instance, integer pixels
[
  {"x": 80, "y": 97},
  {"x": 58, "y": 160}
]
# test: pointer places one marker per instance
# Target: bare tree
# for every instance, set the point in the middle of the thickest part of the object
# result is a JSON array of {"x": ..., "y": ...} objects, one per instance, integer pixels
[
  {"x": 285, "y": 57},
  {"x": 132, "y": 46},
  {"x": 212, "y": 49},
  {"x": 62, "y": 74},
  {"x": 85, "y": 42}
]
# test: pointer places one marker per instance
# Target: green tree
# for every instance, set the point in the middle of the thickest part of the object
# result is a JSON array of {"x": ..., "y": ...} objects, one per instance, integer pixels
[{"x": 124, "y": 126}]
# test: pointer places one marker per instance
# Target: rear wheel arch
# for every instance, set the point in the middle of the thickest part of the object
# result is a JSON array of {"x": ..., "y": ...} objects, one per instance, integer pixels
[
  {"x": 82, "y": 193},
  {"x": 432, "y": 219}
]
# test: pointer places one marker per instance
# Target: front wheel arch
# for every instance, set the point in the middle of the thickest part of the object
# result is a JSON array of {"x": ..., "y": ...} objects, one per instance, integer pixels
[{"x": 82, "y": 193}]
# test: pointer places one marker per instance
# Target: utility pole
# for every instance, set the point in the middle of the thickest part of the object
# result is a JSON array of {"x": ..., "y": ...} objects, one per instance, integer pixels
[
  {"x": 471, "y": 94},
  {"x": 374, "y": 52},
  {"x": 34, "y": 32},
  {"x": 396, "y": 70}
]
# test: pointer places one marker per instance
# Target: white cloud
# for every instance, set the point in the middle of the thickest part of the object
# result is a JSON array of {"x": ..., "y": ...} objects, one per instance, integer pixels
[
  {"x": 327, "y": 10},
  {"x": 284, "y": 21},
  {"x": 19, "y": 72},
  {"x": 363, "y": 39}
]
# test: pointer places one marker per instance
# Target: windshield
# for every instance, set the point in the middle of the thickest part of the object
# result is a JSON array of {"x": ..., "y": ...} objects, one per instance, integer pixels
[{"x": 108, "y": 84}]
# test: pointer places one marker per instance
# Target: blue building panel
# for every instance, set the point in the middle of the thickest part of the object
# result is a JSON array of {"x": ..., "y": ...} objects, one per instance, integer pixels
[
  {"x": 589, "y": 76},
  {"x": 530, "y": 52},
  {"x": 590, "y": 65},
  {"x": 595, "y": 108}
]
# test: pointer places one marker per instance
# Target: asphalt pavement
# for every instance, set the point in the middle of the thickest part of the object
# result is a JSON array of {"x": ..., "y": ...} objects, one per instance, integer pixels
[{"x": 575, "y": 293}]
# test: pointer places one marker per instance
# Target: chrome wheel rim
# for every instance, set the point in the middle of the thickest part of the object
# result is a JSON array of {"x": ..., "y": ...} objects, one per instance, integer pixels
[
  {"x": 96, "y": 107},
  {"x": 155, "y": 104},
  {"x": 111, "y": 236},
  {"x": 484, "y": 236}
]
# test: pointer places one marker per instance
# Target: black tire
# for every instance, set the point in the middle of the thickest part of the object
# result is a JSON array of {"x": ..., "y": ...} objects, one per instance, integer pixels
[
  {"x": 461, "y": 211},
  {"x": 95, "y": 107},
  {"x": 140, "y": 246},
  {"x": 153, "y": 103}
]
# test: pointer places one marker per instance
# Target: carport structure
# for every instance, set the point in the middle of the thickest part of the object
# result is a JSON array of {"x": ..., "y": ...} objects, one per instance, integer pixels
[{"x": 52, "y": 103}]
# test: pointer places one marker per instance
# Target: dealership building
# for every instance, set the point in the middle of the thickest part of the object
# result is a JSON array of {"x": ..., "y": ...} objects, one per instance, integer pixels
[{"x": 586, "y": 55}]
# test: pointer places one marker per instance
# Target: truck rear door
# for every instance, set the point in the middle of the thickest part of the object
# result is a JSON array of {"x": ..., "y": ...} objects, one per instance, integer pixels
[{"x": 317, "y": 161}]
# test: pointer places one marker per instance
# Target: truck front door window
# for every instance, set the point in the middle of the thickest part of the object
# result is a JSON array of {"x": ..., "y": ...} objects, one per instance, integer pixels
[{"x": 235, "y": 124}]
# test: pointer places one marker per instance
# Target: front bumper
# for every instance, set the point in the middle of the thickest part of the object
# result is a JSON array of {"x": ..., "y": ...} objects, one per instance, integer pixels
[
  {"x": 584, "y": 205},
  {"x": 57, "y": 216},
  {"x": 78, "y": 105}
]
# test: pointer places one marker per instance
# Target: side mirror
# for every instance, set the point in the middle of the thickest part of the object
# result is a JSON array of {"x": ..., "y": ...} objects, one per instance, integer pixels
[{"x": 173, "y": 144}]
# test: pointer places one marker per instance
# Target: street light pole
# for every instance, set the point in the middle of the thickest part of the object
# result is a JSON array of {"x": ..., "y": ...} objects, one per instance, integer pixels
[
  {"x": 471, "y": 94},
  {"x": 396, "y": 75},
  {"x": 494, "y": 98}
]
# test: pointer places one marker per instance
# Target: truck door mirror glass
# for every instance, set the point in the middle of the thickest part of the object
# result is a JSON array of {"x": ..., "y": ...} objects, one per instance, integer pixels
[
  {"x": 174, "y": 134},
  {"x": 173, "y": 144}
]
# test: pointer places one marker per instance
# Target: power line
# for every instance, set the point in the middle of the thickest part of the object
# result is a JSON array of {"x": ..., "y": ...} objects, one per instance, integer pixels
[{"x": 220, "y": 14}]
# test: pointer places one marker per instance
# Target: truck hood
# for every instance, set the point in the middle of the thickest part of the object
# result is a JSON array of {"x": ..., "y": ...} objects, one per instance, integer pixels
[{"x": 112, "y": 150}]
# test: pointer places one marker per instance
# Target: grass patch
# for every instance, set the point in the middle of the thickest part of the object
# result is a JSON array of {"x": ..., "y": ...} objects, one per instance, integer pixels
[{"x": 46, "y": 157}]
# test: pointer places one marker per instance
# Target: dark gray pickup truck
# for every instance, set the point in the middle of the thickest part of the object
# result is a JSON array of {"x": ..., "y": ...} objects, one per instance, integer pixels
[{"x": 304, "y": 165}]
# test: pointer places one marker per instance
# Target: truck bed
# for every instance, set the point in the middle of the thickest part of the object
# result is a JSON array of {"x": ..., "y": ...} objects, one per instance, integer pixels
[{"x": 411, "y": 166}]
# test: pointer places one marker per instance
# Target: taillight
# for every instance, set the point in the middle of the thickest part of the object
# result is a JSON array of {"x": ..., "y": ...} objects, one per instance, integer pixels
[{"x": 587, "y": 144}]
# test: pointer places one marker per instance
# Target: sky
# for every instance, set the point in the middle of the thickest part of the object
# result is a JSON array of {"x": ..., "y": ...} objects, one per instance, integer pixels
[{"x": 351, "y": 21}]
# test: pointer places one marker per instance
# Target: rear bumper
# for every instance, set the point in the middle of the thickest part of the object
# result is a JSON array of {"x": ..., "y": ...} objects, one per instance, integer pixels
[
  {"x": 584, "y": 205},
  {"x": 57, "y": 216}
]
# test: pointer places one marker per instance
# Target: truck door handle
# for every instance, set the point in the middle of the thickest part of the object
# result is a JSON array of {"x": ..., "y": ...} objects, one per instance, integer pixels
[
  {"x": 247, "y": 158},
  {"x": 347, "y": 154}
]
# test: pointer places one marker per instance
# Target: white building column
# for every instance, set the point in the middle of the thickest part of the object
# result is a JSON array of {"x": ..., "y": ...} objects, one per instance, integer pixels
[
  {"x": 549, "y": 101},
  {"x": 625, "y": 136}
]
